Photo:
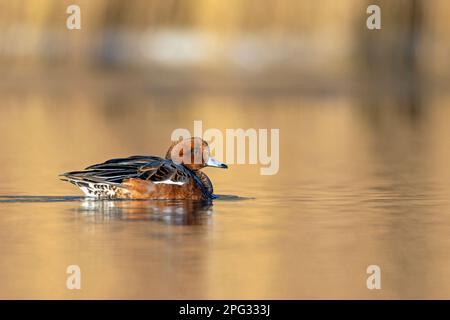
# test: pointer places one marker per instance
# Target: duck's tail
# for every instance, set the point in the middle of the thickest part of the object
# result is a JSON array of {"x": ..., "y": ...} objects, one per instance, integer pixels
[{"x": 92, "y": 187}]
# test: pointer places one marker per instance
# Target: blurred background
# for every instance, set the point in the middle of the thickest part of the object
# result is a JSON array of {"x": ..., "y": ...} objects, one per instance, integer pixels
[
  {"x": 364, "y": 146},
  {"x": 180, "y": 61},
  {"x": 214, "y": 45},
  {"x": 284, "y": 46}
]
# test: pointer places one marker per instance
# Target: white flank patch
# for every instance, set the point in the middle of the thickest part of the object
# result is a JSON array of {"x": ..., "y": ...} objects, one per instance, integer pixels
[
  {"x": 87, "y": 192},
  {"x": 95, "y": 190},
  {"x": 169, "y": 182}
]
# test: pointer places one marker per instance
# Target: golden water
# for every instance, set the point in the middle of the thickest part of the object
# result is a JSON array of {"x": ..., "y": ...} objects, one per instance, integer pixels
[{"x": 358, "y": 185}]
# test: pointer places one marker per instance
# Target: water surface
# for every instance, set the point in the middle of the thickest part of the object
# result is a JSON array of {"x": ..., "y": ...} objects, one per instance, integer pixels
[{"x": 359, "y": 184}]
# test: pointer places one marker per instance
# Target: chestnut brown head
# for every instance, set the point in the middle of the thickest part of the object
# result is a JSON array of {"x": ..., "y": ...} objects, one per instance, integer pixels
[{"x": 193, "y": 153}]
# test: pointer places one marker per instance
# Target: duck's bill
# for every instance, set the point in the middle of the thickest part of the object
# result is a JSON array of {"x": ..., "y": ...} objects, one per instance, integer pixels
[{"x": 214, "y": 163}]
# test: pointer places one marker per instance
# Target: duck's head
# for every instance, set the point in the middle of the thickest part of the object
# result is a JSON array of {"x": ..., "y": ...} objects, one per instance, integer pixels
[{"x": 193, "y": 153}]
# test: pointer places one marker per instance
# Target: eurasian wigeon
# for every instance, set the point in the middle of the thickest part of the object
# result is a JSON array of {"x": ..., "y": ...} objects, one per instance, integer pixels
[{"x": 178, "y": 176}]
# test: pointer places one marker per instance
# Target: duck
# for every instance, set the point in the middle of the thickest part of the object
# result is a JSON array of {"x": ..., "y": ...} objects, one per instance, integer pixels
[{"x": 178, "y": 176}]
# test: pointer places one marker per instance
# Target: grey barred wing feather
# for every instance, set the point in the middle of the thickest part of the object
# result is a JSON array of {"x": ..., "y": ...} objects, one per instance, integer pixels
[
  {"x": 115, "y": 171},
  {"x": 166, "y": 172}
]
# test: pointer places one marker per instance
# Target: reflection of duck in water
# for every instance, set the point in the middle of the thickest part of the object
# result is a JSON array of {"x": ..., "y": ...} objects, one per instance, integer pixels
[
  {"x": 172, "y": 212},
  {"x": 178, "y": 176}
]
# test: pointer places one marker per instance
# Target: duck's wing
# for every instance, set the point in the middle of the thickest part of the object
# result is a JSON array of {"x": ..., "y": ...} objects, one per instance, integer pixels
[{"x": 115, "y": 171}]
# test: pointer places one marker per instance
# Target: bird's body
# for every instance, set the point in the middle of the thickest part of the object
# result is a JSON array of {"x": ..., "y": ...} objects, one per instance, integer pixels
[{"x": 149, "y": 177}]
